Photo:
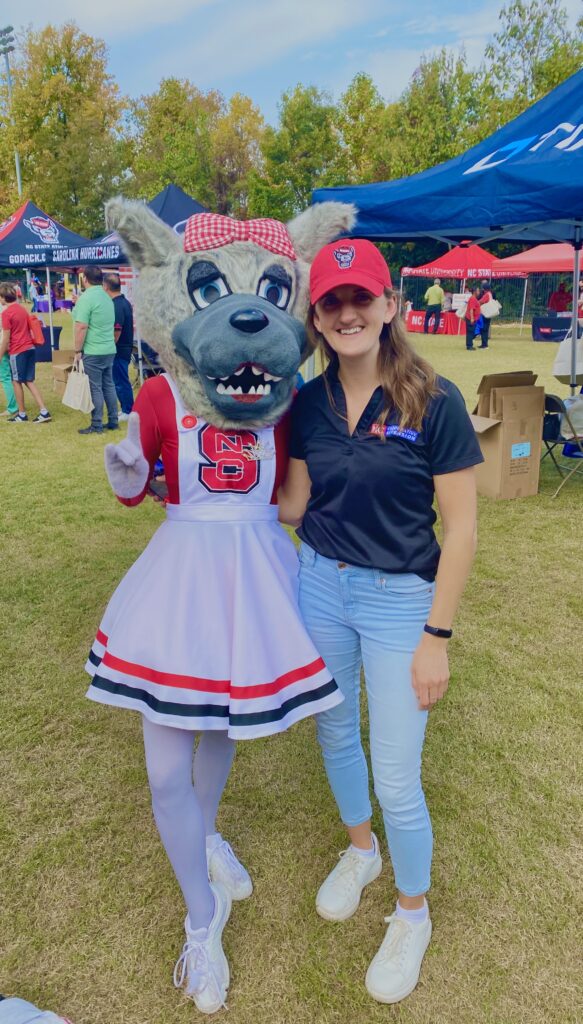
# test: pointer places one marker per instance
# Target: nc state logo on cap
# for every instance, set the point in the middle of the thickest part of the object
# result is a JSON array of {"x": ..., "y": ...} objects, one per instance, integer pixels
[{"x": 344, "y": 256}]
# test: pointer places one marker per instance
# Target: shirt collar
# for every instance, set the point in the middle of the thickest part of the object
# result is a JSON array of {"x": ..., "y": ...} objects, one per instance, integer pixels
[{"x": 372, "y": 410}]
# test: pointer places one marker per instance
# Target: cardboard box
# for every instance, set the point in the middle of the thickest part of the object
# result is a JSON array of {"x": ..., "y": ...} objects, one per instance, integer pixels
[
  {"x": 62, "y": 360},
  {"x": 508, "y": 423}
]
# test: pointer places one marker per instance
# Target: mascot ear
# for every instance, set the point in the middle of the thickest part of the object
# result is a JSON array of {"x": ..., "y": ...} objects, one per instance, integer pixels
[
  {"x": 319, "y": 225},
  {"x": 146, "y": 240}
]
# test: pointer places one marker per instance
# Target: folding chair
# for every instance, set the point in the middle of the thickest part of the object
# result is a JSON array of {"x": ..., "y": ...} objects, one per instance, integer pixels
[
  {"x": 150, "y": 364},
  {"x": 556, "y": 415}
]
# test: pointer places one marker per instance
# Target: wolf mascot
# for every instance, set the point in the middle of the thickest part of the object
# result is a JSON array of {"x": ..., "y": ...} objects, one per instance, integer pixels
[{"x": 203, "y": 634}]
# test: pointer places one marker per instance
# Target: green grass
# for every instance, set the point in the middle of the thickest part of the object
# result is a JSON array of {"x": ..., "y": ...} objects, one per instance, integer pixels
[{"x": 91, "y": 918}]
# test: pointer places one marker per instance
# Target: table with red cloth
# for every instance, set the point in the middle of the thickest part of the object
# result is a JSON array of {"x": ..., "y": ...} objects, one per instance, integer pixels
[{"x": 449, "y": 323}]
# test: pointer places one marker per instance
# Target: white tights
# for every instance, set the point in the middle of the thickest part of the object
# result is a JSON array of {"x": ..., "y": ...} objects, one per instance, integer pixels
[{"x": 184, "y": 811}]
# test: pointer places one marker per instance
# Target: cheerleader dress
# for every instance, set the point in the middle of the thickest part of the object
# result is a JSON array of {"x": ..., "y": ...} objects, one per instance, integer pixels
[{"x": 204, "y": 631}]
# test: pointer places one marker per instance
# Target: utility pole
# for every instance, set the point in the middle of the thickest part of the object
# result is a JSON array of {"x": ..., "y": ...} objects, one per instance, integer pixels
[{"x": 7, "y": 46}]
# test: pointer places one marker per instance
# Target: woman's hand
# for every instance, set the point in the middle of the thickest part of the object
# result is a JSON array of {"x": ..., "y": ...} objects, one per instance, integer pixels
[{"x": 430, "y": 671}]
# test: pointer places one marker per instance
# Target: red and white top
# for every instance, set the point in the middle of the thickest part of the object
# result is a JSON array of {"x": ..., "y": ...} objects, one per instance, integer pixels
[{"x": 203, "y": 463}]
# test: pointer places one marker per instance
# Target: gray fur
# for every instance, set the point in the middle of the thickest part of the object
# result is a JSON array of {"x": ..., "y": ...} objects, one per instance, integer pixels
[
  {"x": 168, "y": 319},
  {"x": 319, "y": 225}
]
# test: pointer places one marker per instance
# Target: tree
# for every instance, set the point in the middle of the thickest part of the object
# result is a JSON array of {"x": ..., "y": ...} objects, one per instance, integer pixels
[
  {"x": 67, "y": 111},
  {"x": 171, "y": 132},
  {"x": 532, "y": 53},
  {"x": 435, "y": 119},
  {"x": 300, "y": 154},
  {"x": 359, "y": 119},
  {"x": 235, "y": 154}
]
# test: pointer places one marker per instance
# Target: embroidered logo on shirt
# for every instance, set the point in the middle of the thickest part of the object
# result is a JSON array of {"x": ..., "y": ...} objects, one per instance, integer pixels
[
  {"x": 344, "y": 256},
  {"x": 394, "y": 430},
  {"x": 257, "y": 452}
]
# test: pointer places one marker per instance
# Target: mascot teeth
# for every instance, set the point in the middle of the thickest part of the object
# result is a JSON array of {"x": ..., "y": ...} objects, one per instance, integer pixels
[{"x": 249, "y": 379}]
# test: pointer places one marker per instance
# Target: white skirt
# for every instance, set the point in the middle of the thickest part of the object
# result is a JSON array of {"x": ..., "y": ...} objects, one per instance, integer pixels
[{"x": 204, "y": 631}]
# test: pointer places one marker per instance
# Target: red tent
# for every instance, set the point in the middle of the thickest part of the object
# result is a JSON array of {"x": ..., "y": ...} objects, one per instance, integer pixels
[
  {"x": 463, "y": 262},
  {"x": 558, "y": 259}
]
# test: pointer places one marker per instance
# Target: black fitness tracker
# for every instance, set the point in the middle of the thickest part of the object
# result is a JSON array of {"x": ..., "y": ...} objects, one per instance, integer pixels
[{"x": 444, "y": 634}]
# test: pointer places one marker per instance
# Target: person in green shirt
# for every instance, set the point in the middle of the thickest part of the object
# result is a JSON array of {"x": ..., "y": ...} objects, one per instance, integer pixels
[
  {"x": 433, "y": 299},
  {"x": 94, "y": 317}
]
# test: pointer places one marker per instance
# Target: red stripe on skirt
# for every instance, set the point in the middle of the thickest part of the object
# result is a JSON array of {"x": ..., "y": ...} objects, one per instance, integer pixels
[
  {"x": 153, "y": 675},
  {"x": 101, "y": 638}
]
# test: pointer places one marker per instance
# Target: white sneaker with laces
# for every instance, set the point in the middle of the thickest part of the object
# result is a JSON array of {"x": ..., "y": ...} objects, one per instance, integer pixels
[
  {"x": 224, "y": 867},
  {"x": 339, "y": 895},
  {"x": 122, "y": 417},
  {"x": 202, "y": 968},
  {"x": 394, "y": 972}
]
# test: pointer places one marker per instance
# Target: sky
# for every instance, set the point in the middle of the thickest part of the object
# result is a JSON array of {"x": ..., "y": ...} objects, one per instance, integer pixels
[{"x": 265, "y": 47}]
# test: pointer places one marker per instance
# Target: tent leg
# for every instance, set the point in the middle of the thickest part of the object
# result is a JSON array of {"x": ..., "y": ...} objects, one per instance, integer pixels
[
  {"x": 140, "y": 361},
  {"x": 574, "y": 319},
  {"x": 50, "y": 307},
  {"x": 459, "y": 324},
  {"x": 523, "y": 304}
]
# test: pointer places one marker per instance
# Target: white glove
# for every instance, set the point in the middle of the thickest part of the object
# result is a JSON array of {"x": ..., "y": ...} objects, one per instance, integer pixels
[{"x": 127, "y": 469}]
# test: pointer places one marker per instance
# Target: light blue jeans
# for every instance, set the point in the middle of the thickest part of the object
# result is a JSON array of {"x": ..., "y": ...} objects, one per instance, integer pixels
[{"x": 365, "y": 617}]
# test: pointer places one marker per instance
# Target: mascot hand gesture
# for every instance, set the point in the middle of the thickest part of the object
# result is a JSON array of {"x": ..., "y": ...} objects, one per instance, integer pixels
[{"x": 127, "y": 469}]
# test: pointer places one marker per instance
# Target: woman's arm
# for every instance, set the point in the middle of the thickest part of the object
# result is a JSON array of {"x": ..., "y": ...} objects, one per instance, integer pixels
[
  {"x": 294, "y": 493},
  {"x": 456, "y": 499}
]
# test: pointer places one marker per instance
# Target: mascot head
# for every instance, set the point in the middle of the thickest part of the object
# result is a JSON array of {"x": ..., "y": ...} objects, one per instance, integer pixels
[{"x": 224, "y": 305}]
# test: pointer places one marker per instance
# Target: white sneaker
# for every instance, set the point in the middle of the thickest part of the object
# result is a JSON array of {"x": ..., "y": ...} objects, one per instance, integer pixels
[
  {"x": 224, "y": 867},
  {"x": 394, "y": 972},
  {"x": 122, "y": 417},
  {"x": 339, "y": 896},
  {"x": 202, "y": 968}
]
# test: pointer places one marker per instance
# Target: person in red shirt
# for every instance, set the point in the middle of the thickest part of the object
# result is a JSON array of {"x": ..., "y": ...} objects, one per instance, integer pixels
[
  {"x": 17, "y": 342},
  {"x": 473, "y": 314},
  {"x": 560, "y": 300}
]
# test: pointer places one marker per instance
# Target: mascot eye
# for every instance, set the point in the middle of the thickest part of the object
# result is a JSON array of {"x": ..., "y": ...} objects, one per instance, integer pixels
[
  {"x": 274, "y": 291},
  {"x": 209, "y": 292}
]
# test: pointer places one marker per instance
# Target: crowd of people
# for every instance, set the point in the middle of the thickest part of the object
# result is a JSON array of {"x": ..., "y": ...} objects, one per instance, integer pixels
[
  {"x": 438, "y": 301},
  {"x": 103, "y": 342}
]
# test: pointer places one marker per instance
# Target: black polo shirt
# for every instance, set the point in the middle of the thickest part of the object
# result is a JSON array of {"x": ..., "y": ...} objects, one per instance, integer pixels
[
  {"x": 124, "y": 321},
  {"x": 371, "y": 502}
]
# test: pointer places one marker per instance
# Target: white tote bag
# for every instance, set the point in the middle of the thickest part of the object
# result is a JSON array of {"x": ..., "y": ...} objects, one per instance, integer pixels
[
  {"x": 491, "y": 309},
  {"x": 77, "y": 391},
  {"x": 562, "y": 364}
]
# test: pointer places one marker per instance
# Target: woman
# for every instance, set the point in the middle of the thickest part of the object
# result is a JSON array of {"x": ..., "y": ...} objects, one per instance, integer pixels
[
  {"x": 17, "y": 342},
  {"x": 474, "y": 319},
  {"x": 374, "y": 440}
]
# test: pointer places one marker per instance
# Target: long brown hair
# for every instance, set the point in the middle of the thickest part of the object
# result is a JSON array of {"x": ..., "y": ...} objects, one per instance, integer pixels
[{"x": 408, "y": 381}]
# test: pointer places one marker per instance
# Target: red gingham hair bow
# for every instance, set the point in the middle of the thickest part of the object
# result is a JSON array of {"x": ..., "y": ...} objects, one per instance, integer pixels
[{"x": 212, "y": 230}]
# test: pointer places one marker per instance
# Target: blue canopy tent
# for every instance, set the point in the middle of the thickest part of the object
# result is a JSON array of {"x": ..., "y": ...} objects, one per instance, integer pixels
[
  {"x": 30, "y": 238},
  {"x": 172, "y": 205},
  {"x": 524, "y": 183}
]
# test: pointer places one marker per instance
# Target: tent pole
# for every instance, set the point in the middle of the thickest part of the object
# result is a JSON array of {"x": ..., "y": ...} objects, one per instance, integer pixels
[
  {"x": 50, "y": 307},
  {"x": 523, "y": 303},
  {"x": 574, "y": 319},
  {"x": 138, "y": 335},
  {"x": 459, "y": 323}
]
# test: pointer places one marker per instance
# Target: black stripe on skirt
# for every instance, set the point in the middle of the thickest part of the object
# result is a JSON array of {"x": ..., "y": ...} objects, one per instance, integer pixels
[{"x": 165, "y": 707}]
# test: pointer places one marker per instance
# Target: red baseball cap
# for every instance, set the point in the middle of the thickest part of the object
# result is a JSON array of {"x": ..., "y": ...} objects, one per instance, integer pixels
[{"x": 348, "y": 261}]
